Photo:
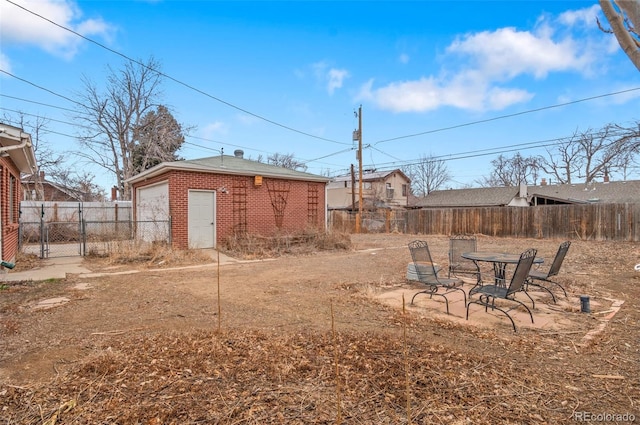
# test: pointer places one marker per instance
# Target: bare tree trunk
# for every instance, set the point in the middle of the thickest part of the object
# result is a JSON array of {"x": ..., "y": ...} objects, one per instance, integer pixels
[{"x": 616, "y": 19}]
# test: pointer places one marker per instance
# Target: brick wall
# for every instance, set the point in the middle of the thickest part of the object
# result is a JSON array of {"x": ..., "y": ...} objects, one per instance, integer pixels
[
  {"x": 269, "y": 204},
  {"x": 10, "y": 225}
]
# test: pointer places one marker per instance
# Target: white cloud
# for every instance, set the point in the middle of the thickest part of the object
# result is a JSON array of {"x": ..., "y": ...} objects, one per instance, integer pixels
[
  {"x": 336, "y": 77},
  {"x": 480, "y": 69},
  {"x": 333, "y": 78},
  {"x": 214, "y": 129},
  {"x": 507, "y": 53},
  {"x": 466, "y": 91},
  {"x": 20, "y": 27},
  {"x": 586, "y": 17}
]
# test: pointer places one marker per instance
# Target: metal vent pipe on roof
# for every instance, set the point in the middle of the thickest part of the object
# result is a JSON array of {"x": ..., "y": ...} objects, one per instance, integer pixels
[{"x": 239, "y": 153}]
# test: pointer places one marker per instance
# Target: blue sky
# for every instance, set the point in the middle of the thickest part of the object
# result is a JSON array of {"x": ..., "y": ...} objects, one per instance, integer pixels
[{"x": 459, "y": 80}]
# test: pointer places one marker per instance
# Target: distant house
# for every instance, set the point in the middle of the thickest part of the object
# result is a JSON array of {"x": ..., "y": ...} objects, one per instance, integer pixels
[
  {"x": 380, "y": 189},
  {"x": 16, "y": 158},
  {"x": 40, "y": 189},
  {"x": 544, "y": 194},
  {"x": 210, "y": 199}
]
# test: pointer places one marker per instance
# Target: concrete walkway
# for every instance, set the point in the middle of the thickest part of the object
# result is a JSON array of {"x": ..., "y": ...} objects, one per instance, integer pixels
[
  {"x": 59, "y": 267},
  {"x": 52, "y": 268}
]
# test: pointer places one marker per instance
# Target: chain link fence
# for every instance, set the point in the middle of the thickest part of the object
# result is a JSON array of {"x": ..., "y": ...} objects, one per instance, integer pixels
[
  {"x": 58, "y": 229},
  {"x": 382, "y": 221},
  {"x": 105, "y": 237}
]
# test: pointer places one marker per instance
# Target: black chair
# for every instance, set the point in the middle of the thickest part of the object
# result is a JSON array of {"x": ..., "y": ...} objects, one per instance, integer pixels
[
  {"x": 542, "y": 279},
  {"x": 490, "y": 293},
  {"x": 458, "y": 265},
  {"x": 426, "y": 272}
]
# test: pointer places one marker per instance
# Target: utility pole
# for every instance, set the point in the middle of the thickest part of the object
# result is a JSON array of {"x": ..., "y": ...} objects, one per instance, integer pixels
[{"x": 359, "y": 215}]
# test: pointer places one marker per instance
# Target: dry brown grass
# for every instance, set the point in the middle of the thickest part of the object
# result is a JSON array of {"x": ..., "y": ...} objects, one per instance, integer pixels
[
  {"x": 149, "y": 254},
  {"x": 258, "y": 378},
  {"x": 249, "y": 246},
  {"x": 26, "y": 261}
]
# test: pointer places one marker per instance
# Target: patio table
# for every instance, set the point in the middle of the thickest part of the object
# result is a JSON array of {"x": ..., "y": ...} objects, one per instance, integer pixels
[{"x": 500, "y": 260}]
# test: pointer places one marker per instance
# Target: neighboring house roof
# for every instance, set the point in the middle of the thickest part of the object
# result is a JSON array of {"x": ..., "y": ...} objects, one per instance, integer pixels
[
  {"x": 17, "y": 144},
  {"x": 595, "y": 192},
  {"x": 370, "y": 176},
  {"x": 226, "y": 164},
  {"x": 476, "y": 197},
  {"x": 70, "y": 193}
]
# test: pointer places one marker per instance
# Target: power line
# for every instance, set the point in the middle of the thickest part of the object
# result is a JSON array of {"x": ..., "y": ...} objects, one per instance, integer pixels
[
  {"x": 175, "y": 80},
  {"x": 492, "y": 151},
  {"x": 37, "y": 103},
  {"x": 508, "y": 115},
  {"x": 448, "y": 157},
  {"x": 40, "y": 87},
  {"x": 216, "y": 150}
]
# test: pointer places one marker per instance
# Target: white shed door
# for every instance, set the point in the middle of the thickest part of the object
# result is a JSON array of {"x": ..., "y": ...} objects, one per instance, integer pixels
[
  {"x": 202, "y": 219},
  {"x": 153, "y": 202},
  {"x": 152, "y": 212}
]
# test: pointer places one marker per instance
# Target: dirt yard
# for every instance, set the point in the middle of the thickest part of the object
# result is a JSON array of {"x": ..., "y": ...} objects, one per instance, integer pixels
[{"x": 320, "y": 338}]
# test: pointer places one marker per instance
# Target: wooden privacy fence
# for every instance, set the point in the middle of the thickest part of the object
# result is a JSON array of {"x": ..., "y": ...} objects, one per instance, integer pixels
[{"x": 584, "y": 221}]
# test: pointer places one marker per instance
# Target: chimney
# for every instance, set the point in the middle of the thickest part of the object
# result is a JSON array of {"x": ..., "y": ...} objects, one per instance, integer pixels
[
  {"x": 114, "y": 193},
  {"x": 606, "y": 176},
  {"x": 238, "y": 153},
  {"x": 42, "y": 175},
  {"x": 543, "y": 182},
  {"x": 523, "y": 190}
]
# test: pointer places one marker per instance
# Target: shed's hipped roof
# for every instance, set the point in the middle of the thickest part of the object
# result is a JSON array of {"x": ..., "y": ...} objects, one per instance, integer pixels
[{"x": 227, "y": 164}]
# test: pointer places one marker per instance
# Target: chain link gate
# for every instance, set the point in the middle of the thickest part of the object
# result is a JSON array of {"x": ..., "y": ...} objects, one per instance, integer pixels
[{"x": 53, "y": 238}]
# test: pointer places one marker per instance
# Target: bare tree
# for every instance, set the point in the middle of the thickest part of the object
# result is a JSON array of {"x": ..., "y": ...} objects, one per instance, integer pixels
[
  {"x": 624, "y": 18},
  {"x": 591, "y": 154},
  {"x": 285, "y": 161},
  {"x": 112, "y": 117},
  {"x": 157, "y": 139},
  {"x": 565, "y": 161},
  {"x": 46, "y": 158},
  {"x": 54, "y": 167},
  {"x": 512, "y": 171},
  {"x": 79, "y": 183},
  {"x": 427, "y": 175}
]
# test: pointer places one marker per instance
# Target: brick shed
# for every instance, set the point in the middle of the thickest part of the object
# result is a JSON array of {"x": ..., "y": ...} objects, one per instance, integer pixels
[{"x": 210, "y": 199}]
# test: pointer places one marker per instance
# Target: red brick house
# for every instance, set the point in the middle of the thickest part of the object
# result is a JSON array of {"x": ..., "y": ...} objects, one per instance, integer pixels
[
  {"x": 211, "y": 199},
  {"x": 40, "y": 189},
  {"x": 16, "y": 158}
]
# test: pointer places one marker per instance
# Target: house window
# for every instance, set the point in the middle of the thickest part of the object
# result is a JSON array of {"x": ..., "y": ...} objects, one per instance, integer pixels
[
  {"x": 404, "y": 190},
  {"x": 389, "y": 191},
  {"x": 366, "y": 185}
]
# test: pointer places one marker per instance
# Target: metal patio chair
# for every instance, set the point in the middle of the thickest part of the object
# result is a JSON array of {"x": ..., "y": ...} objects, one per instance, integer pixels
[
  {"x": 426, "y": 273},
  {"x": 489, "y": 294},
  {"x": 542, "y": 280},
  {"x": 459, "y": 244}
]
